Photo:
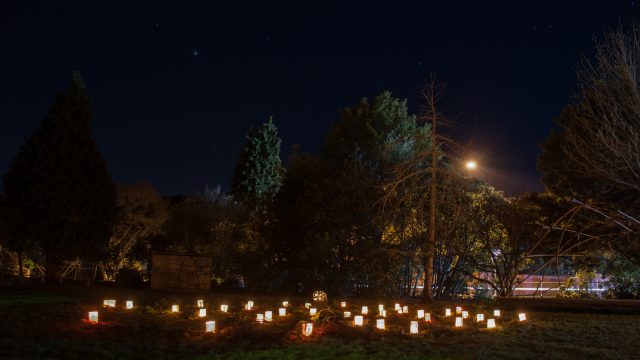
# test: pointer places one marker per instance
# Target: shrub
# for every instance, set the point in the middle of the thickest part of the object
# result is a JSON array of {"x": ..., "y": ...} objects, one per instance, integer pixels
[{"x": 129, "y": 278}]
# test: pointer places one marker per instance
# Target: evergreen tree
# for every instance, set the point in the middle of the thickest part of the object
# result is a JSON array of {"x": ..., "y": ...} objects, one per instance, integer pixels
[
  {"x": 381, "y": 131},
  {"x": 58, "y": 190},
  {"x": 259, "y": 173}
]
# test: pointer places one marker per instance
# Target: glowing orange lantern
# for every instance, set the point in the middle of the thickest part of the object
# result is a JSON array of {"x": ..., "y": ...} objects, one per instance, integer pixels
[
  {"x": 285, "y": 303},
  {"x": 200, "y": 303},
  {"x": 313, "y": 311},
  {"x": 109, "y": 303},
  {"x": 405, "y": 309},
  {"x": 522, "y": 317},
  {"x": 282, "y": 312},
  {"x": 496, "y": 313},
  {"x": 347, "y": 314},
  {"x": 307, "y": 328},
  {"x": 380, "y": 324},
  {"x": 458, "y": 310},
  {"x": 358, "y": 320},
  {"x": 343, "y": 304},
  {"x": 210, "y": 326},
  {"x": 397, "y": 307},
  {"x": 224, "y": 308},
  {"x": 202, "y": 312},
  {"x": 491, "y": 323},
  {"x": 365, "y": 310},
  {"x": 249, "y": 305},
  {"x": 93, "y": 317},
  {"x": 420, "y": 314},
  {"x": 268, "y": 315},
  {"x": 129, "y": 304},
  {"x": 413, "y": 329},
  {"x": 307, "y": 305},
  {"x": 260, "y": 318},
  {"x": 480, "y": 317},
  {"x": 465, "y": 314},
  {"x": 175, "y": 308},
  {"x": 447, "y": 312},
  {"x": 458, "y": 322}
]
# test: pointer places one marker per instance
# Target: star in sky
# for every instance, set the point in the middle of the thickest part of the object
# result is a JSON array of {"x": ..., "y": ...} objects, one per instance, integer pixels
[{"x": 195, "y": 53}]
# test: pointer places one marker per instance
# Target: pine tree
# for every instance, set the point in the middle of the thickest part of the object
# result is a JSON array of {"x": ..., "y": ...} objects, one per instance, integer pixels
[
  {"x": 259, "y": 173},
  {"x": 58, "y": 189}
]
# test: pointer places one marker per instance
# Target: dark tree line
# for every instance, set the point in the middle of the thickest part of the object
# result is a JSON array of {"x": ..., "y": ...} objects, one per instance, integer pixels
[{"x": 384, "y": 207}]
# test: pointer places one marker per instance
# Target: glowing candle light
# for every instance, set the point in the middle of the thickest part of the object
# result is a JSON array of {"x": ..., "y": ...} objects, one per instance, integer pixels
[
  {"x": 93, "y": 317},
  {"x": 420, "y": 314},
  {"x": 458, "y": 310},
  {"x": 249, "y": 305},
  {"x": 380, "y": 324},
  {"x": 285, "y": 303},
  {"x": 496, "y": 313},
  {"x": 210, "y": 326},
  {"x": 313, "y": 311},
  {"x": 405, "y": 309},
  {"x": 282, "y": 312},
  {"x": 491, "y": 323},
  {"x": 347, "y": 314},
  {"x": 522, "y": 316},
  {"x": 260, "y": 318},
  {"x": 307, "y": 328},
  {"x": 200, "y": 303},
  {"x": 307, "y": 305},
  {"x": 365, "y": 310},
  {"x": 343, "y": 304},
  {"x": 480, "y": 317},
  {"x": 224, "y": 308},
  {"x": 427, "y": 317},
  {"x": 465, "y": 314},
  {"x": 175, "y": 308},
  {"x": 358, "y": 320},
  {"x": 458, "y": 322},
  {"x": 268, "y": 315},
  {"x": 202, "y": 312},
  {"x": 414, "y": 327},
  {"x": 447, "y": 312},
  {"x": 129, "y": 304}
]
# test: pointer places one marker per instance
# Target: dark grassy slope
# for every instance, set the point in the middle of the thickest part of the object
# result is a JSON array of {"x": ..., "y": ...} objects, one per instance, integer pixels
[{"x": 49, "y": 322}]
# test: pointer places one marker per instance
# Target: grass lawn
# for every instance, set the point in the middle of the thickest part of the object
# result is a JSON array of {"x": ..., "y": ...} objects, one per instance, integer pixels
[{"x": 49, "y": 322}]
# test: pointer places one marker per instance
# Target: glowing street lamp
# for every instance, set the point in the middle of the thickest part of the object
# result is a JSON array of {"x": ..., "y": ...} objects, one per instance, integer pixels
[{"x": 471, "y": 165}]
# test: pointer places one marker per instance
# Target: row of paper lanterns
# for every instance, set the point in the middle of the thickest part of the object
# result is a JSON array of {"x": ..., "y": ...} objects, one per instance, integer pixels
[{"x": 307, "y": 327}]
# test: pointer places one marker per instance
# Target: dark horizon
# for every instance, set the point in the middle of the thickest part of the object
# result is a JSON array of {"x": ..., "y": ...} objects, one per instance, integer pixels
[{"x": 175, "y": 89}]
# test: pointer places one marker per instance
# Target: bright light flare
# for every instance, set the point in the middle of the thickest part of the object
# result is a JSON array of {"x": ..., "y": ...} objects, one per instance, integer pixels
[{"x": 471, "y": 165}]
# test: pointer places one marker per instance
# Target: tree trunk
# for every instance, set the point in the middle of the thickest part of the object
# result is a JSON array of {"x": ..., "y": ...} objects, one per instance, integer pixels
[
  {"x": 20, "y": 273},
  {"x": 429, "y": 248}
]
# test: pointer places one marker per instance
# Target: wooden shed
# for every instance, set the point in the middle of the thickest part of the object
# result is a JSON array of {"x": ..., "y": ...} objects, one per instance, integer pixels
[{"x": 180, "y": 272}]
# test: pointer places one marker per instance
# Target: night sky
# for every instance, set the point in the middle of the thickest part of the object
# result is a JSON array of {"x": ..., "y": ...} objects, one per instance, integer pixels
[{"x": 176, "y": 85}]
